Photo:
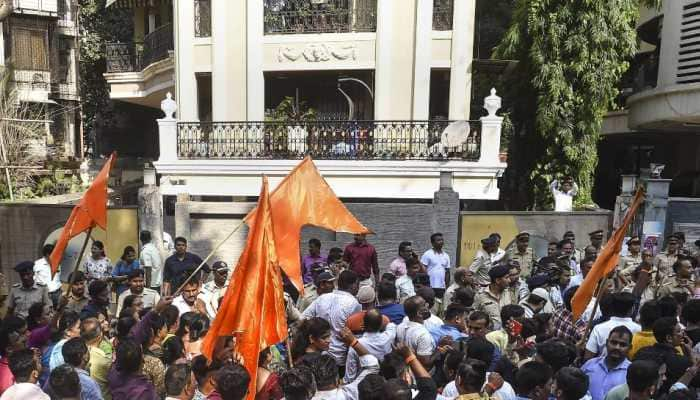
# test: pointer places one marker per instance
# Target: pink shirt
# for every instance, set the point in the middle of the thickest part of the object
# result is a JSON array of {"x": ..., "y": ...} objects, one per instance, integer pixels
[
  {"x": 6, "y": 377},
  {"x": 398, "y": 267}
]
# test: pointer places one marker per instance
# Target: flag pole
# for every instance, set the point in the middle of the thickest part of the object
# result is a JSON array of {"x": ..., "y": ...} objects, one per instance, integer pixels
[
  {"x": 598, "y": 292},
  {"x": 77, "y": 264},
  {"x": 175, "y": 293}
]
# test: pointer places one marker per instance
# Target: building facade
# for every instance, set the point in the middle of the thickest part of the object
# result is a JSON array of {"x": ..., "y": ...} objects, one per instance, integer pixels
[{"x": 39, "y": 45}]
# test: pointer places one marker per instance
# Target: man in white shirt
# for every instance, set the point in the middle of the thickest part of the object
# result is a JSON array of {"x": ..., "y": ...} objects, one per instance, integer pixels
[
  {"x": 438, "y": 264},
  {"x": 564, "y": 194},
  {"x": 376, "y": 342},
  {"x": 404, "y": 283},
  {"x": 42, "y": 275},
  {"x": 187, "y": 301},
  {"x": 335, "y": 308},
  {"x": 413, "y": 333},
  {"x": 136, "y": 286},
  {"x": 215, "y": 289},
  {"x": 151, "y": 260},
  {"x": 621, "y": 307},
  {"x": 26, "y": 368}
]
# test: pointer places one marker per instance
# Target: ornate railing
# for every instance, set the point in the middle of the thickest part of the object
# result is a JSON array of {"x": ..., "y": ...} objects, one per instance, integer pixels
[
  {"x": 329, "y": 16},
  {"x": 442, "y": 15},
  {"x": 202, "y": 18},
  {"x": 134, "y": 57},
  {"x": 337, "y": 140}
]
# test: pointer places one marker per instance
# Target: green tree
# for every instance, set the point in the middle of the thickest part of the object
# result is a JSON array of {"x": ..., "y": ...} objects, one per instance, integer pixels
[
  {"x": 98, "y": 26},
  {"x": 571, "y": 55}
]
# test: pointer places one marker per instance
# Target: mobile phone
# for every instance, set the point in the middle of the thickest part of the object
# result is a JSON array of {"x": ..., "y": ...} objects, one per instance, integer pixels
[{"x": 516, "y": 328}]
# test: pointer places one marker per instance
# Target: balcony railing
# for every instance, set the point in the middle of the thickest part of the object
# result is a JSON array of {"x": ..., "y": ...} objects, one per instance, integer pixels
[
  {"x": 134, "y": 57},
  {"x": 442, "y": 15},
  {"x": 320, "y": 16},
  {"x": 337, "y": 140},
  {"x": 42, "y": 7}
]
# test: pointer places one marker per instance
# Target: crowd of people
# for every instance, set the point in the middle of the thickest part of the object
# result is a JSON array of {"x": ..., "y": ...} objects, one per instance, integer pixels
[{"x": 417, "y": 328}]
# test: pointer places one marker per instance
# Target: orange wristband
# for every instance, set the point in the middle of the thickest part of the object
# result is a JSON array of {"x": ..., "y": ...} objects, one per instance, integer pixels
[
  {"x": 354, "y": 342},
  {"x": 410, "y": 358}
]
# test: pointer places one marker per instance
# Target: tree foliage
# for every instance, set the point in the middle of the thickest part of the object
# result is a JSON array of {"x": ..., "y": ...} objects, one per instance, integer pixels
[
  {"x": 571, "y": 55},
  {"x": 99, "y": 26}
]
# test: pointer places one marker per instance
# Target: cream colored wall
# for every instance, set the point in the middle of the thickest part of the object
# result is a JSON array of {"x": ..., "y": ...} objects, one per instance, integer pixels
[
  {"x": 139, "y": 27},
  {"x": 325, "y": 51},
  {"x": 229, "y": 60}
]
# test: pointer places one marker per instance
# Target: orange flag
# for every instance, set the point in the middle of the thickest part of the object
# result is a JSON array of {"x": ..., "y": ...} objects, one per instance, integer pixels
[
  {"x": 91, "y": 210},
  {"x": 253, "y": 307},
  {"x": 304, "y": 198},
  {"x": 607, "y": 260}
]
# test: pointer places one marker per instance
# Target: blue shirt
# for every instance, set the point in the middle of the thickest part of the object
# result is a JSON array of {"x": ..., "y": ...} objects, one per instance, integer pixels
[
  {"x": 446, "y": 330},
  {"x": 176, "y": 271},
  {"x": 89, "y": 390},
  {"x": 122, "y": 269},
  {"x": 601, "y": 379},
  {"x": 393, "y": 311}
]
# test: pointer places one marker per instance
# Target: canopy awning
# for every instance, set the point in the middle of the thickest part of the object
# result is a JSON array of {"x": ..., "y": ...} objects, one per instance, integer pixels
[{"x": 136, "y": 3}]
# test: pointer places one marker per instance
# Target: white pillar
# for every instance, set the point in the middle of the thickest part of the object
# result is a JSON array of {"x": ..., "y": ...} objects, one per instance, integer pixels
[
  {"x": 167, "y": 131},
  {"x": 491, "y": 131},
  {"x": 462, "y": 53},
  {"x": 2, "y": 47},
  {"x": 670, "y": 43},
  {"x": 151, "y": 21},
  {"x": 184, "y": 60},
  {"x": 422, "y": 57},
  {"x": 255, "y": 101},
  {"x": 228, "y": 68},
  {"x": 382, "y": 71}
]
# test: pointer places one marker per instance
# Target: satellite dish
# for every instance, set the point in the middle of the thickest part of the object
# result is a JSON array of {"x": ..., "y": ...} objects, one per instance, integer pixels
[{"x": 455, "y": 134}]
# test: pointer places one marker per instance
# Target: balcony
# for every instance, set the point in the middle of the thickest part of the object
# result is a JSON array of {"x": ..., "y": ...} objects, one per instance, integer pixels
[
  {"x": 319, "y": 16},
  {"x": 442, "y": 15},
  {"x": 32, "y": 85},
  {"x": 36, "y": 7},
  {"x": 323, "y": 140},
  {"x": 135, "y": 57}
]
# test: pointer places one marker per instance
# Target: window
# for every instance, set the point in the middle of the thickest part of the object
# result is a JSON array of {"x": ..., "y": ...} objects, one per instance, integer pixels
[
  {"x": 202, "y": 18},
  {"x": 30, "y": 49}
]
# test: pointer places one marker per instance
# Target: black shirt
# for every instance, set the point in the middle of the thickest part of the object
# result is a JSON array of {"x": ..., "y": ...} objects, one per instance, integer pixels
[{"x": 176, "y": 271}]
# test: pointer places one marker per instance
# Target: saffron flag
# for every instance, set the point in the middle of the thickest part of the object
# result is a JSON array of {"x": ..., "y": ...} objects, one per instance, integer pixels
[
  {"x": 253, "y": 307},
  {"x": 607, "y": 260},
  {"x": 304, "y": 198},
  {"x": 91, "y": 210}
]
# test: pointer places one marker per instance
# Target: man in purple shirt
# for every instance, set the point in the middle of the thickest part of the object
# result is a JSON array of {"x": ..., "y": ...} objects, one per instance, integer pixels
[
  {"x": 606, "y": 372},
  {"x": 314, "y": 257},
  {"x": 362, "y": 258}
]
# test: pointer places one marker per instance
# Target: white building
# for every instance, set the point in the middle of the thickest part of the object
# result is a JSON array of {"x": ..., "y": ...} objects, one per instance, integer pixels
[{"x": 381, "y": 78}]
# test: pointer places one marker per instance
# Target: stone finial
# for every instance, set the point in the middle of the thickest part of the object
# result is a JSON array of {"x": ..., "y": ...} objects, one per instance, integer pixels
[
  {"x": 169, "y": 106},
  {"x": 492, "y": 103}
]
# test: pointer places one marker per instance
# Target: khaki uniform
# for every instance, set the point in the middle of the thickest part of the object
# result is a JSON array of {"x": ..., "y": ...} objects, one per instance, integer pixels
[
  {"x": 307, "y": 298},
  {"x": 22, "y": 298},
  {"x": 578, "y": 255},
  {"x": 76, "y": 304},
  {"x": 628, "y": 264},
  {"x": 480, "y": 267},
  {"x": 663, "y": 265},
  {"x": 491, "y": 304},
  {"x": 526, "y": 260},
  {"x": 673, "y": 285}
]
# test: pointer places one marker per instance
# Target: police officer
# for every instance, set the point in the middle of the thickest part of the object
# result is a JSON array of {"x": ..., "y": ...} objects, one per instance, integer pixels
[
  {"x": 496, "y": 295},
  {"x": 596, "y": 238},
  {"x": 577, "y": 254},
  {"x": 681, "y": 281},
  {"x": 663, "y": 263},
  {"x": 213, "y": 290},
  {"x": 483, "y": 261},
  {"x": 523, "y": 254},
  {"x": 27, "y": 292}
]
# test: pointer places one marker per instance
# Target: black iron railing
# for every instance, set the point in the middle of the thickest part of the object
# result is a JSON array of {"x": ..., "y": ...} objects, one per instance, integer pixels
[
  {"x": 442, "y": 15},
  {"x": 329, "y": 16},
  {"x": 134, "y": 57},
  {"x": 336, "y": 140},
  {"x": 202, "y": 18}
]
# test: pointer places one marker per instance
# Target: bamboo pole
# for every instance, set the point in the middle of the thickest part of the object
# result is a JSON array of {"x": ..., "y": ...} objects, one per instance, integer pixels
[{"x": 77, "y": 264}]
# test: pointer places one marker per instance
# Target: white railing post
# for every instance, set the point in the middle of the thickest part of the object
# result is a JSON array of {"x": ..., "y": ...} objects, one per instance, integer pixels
[
  {"x": 167, "y": 130},
  {"x": 491, "y": 130}
]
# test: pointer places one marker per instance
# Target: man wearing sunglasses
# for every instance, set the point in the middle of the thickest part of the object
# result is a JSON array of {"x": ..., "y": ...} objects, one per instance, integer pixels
[{"x": 215, "y": 289}]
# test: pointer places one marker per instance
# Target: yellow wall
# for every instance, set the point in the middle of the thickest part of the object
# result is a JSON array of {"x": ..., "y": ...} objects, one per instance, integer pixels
[{"x": 122, "y": 231}]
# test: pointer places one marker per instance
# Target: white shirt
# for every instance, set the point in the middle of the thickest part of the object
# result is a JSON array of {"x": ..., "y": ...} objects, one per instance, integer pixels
[
  {"x": 149, "y": 296},
  {"x": 599, "y": 334},
  {"x": 404, "y": 288},
  {"x": 150, "y": 257},
  {"x": 24, "y": 391},
  {"x": 563, "y": 201},
  {"x": 182, "y": 305},
  {"x": 42, "y": 275},
  {"x": 436, "y": 263},
  {"x": 377, "y": 344},
  {"x": 210, "y": 297},
  {"x": 506, "y": 391},
  {"x": 335, "y": 308},
  {"x": 433, "y": 322},
  {"x": 575, "y": 280},
  {"x": 369, "y": 365},
  {"x": 334, "y": 394},
  {"x": 417, "y": 337}
]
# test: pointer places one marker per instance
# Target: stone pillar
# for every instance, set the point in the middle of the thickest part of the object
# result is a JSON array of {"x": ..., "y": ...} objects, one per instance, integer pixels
[
  {"x": 255, "y": 80},
  {"x": 150, "y": 204},
  {"x": 421, "y": 68},
  {"x": 2, "y": 47},
  {"x": 184, "y": 60},
  {"x": 462, "y": 57},
  {"x": 228, "y": 68},
  {"x": 656, "y": 204},
  {"x": 668, "y": 56},
  {"x": 167, "y": 131},
  {"x": 622, "y": 202},
  {"x": 491, "y": 131},
  {"x": 182, "y": 216},
  {"x": 446, "y": 216}
]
